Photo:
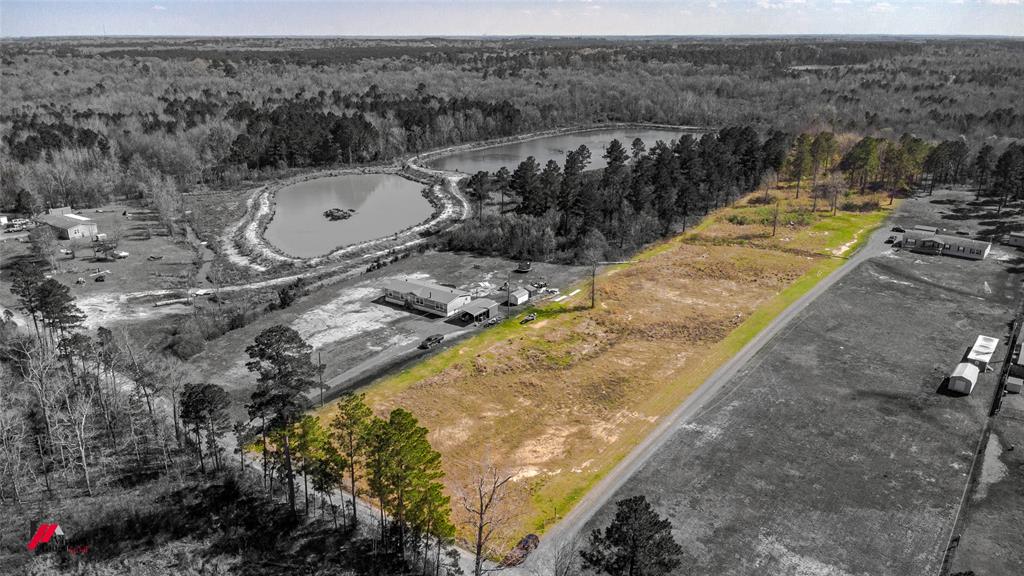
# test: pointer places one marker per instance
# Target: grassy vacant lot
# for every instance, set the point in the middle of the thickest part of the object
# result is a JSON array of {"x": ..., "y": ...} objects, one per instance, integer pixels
[
  {"x": 835, "y": 450},
  {"x": 560, "y": 401}
]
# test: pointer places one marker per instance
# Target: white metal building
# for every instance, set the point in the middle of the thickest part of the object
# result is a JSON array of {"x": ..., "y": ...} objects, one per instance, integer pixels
[
  {"x": 69, "y": 226},
  {"x": 518, "y": 296}
]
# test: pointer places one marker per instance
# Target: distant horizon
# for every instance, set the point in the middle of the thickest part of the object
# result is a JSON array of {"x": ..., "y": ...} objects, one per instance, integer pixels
[
  {"x": 516, "y": 36},
  {"x": 467, "y": 19}
]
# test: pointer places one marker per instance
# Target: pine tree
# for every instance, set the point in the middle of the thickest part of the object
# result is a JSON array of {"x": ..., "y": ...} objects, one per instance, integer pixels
[
  {"x": 282, "y": 359},
  {"x": 638, "y": 542},
  {"x": 350, "y": 429},
  {"x": 800, "y": 161}
]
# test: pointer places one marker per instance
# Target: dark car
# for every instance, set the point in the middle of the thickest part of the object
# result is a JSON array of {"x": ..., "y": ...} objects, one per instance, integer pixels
[
  {"x": 529, "y": 318},
  {"x": 432, "y": 341},
  {"x": 100, "y": 278},
  {"x": 518, "y": 555},
  {"x": 899, "y": 229},
  {"x": 890, "y": 239}
]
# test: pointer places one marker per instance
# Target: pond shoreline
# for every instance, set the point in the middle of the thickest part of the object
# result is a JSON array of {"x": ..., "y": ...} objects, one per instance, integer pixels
[{"x": 245, "y": 244}]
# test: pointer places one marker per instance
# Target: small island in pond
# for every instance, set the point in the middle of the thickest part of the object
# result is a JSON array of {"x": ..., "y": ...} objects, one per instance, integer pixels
[{"x": 335, "y": 214}]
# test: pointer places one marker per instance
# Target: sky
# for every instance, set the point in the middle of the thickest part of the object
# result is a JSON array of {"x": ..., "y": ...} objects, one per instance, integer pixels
[{"x": 507, "y": 17}]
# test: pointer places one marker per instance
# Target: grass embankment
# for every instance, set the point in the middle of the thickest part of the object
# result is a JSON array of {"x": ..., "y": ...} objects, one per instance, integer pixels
[{"x": 562, "y": 400}]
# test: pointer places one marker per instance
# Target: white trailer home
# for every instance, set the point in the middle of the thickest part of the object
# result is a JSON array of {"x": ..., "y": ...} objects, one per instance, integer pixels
[
  {"x": 426, "y": 296},
  {"x": 924, "y": 242}
]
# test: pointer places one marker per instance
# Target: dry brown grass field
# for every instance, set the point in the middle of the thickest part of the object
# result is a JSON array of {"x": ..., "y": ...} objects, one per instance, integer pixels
[{"x": 559, "y": 401}]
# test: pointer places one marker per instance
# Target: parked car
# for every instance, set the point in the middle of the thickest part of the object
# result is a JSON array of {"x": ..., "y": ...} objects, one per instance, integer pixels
[
  {"x": 890, "y": 239},
  {"x": 539, "y": 284},
  {"x": 899, "y": 229},
  {"x": 529, "y": 318},
  {"x": 100, "y": 278},
  {"x": 121, "y": 254},
  {"x": 494, "y": 321},
  {"x": 154, "y": 257},
  {"x": 524, "y": 266},
  {"x": 518, "y": 555},
  {"x": 431, "y": 341}
]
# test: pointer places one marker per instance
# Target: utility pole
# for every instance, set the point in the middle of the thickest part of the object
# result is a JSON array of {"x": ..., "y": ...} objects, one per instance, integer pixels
[
  {"x": 775, "y": 219},
  {"x": 320, "y": 368},
  {"x": 508, "y": 295},
  {"x": 593, "y": 277}
]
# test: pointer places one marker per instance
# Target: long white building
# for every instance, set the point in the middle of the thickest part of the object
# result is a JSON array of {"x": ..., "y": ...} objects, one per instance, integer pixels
[{"x": 426, "y": 296}]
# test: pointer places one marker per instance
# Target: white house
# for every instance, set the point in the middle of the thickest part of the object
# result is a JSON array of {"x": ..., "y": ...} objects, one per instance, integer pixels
[{"x": 426, "y": 296}]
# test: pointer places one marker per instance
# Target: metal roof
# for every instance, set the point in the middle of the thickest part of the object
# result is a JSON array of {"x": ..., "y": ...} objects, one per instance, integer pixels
[
  {"x": 921, "y": 235},
  {"x": 63, "y": 221},
  {"x": 426, "y": 290},
  {"x": 983, "y": 348},
  {"x": 479, "y": 306},
  {"x": 966, "y": 370}
]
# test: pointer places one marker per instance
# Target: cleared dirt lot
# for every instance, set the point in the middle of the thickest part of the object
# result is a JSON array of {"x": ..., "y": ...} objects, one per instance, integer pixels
[
  {"x": 141, "y": 235},
  {"x": 833, "y": 451},
  {"x": 358, "y": 335}
]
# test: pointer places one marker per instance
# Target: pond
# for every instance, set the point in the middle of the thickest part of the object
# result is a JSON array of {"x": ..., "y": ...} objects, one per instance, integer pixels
[
  {"x": 384, "y": 204},
  {"x": 552, "y": 148}
]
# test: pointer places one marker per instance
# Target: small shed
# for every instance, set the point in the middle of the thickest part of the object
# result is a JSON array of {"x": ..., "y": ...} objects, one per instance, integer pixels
[
  {"x": 931, "y": 229},
  {"x": 981, "y": 352},
  {"x": 963, "y": 378},
  {"x": 518, "y": 296},
  {"x": 1015, "y": 239}
]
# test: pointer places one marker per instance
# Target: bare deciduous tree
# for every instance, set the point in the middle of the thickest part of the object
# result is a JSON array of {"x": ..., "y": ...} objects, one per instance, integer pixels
[{"x": 486, "y": 503}]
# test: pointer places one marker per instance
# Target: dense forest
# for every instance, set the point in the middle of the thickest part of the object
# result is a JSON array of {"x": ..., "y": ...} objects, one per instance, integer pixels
[
  {"x": 566, "y": 213},
  {"x": 84, "y": 120}
]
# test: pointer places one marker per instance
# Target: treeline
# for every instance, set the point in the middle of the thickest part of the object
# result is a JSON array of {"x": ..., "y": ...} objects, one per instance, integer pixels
[
  {"x": 88, "y": 414},
  {"x": 401, "y": 470},
  {"x": 88, "y": 133},
  {"x": 77, "y": 412},
  {"x": 566, "y": 213}
]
